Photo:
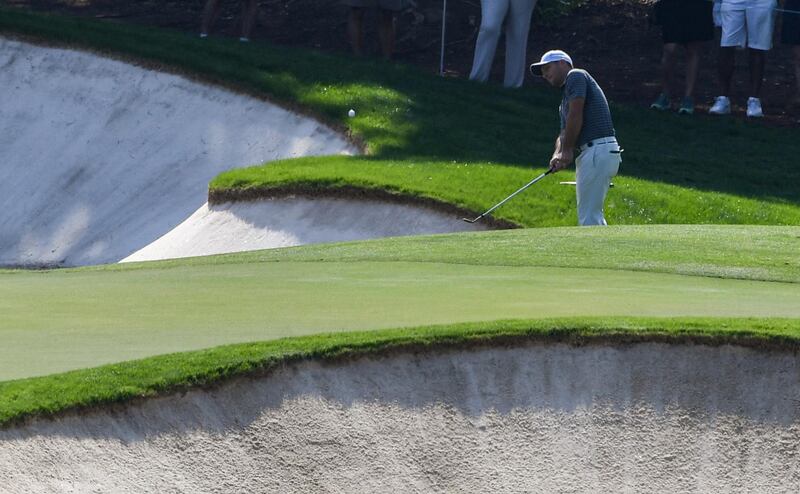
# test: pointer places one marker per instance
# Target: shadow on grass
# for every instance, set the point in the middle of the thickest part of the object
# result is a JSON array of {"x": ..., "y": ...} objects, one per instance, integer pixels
[{"x": 403, "y": 113}]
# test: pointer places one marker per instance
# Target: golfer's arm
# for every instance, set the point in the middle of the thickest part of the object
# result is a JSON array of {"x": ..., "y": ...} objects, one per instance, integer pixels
[
  {"x": 557, "y": 150},
  {"x": 574, "y": 124}
]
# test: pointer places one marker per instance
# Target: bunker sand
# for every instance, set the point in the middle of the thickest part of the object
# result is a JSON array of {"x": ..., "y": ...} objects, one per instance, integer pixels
[
  {"x": 644, "y": 417},
  {"x": 99, "y": 159}
]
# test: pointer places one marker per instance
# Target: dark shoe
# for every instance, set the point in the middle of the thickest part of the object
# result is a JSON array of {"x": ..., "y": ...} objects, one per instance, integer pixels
[
  {"x": 687, "y": 106},
  {"x": 661, "y": 103}
]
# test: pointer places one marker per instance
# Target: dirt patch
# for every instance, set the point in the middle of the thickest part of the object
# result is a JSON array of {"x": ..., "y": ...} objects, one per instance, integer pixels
[{"x": 613, "y": 39}]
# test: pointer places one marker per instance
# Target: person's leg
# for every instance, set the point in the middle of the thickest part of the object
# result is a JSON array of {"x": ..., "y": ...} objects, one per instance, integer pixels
[
  {"x": 492, "y": 14},
  {"x": 355, "y": 29},
  {"x": 249, "y": 11},
  {"x": 669, "y": 57},
  {"x": 727, "y": 57},
  {"x": 210, "y": 14},
  {"x": 734, "y": 33},
  {"x": 757, "y": 62},
  {"x": 796, "y": 53},
  {"x": 517, "y": 28},
  {"x": 760, "y": 28},
  {"x": 594, "y": 169},
  {"x": 692, "y": 66},
  {"x": 386, "y": 32}
]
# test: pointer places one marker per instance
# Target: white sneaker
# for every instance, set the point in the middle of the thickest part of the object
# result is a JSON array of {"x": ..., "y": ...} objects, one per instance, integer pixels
[
  {"x": 754, "y": 108},
  {"x": 722, "y": 106}
]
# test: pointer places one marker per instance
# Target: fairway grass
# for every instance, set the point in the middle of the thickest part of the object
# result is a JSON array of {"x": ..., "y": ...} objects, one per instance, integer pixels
[
  {"x": 437, "y": 140},
  {"x": 69, "y": 319}
]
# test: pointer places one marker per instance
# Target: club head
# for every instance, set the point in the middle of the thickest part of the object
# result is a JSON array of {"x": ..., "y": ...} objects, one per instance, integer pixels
[{"x": 471, "y": 221}]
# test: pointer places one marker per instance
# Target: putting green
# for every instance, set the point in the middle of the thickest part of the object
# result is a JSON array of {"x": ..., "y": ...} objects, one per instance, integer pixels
[{"x": 57, "y": 321}]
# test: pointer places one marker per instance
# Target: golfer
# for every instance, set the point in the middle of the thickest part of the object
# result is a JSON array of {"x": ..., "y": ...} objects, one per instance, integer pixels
[{"x": 587, "y": 134}]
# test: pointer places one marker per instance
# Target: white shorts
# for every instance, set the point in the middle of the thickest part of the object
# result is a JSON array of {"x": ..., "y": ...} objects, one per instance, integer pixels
[
  {"x": 594, "y": 168},
  {"x": 749, "y": 27}
]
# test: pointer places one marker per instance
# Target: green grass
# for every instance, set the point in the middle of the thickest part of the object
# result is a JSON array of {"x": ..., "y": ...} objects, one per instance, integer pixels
[
  {"x": 467, "y": 144},
  {"x": 68, "y": 319},
  {"x": 763, "y": 253},
  {"x": 442, "y": 140},
  {"x": 125, "y": 381}
]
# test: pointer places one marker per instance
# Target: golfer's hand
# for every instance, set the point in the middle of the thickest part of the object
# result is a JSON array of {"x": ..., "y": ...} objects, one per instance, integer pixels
[{"x": 559, "y": 162}]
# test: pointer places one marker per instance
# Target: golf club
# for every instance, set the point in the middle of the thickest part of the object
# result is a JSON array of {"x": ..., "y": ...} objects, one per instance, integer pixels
[{"x": 548, "y": 172}]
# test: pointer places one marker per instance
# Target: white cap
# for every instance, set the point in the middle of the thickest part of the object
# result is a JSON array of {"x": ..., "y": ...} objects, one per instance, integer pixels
[{"x": 550, "y": 57}]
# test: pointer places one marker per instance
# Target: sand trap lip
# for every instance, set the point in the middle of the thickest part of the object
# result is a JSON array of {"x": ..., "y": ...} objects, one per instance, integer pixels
[
  {"x": 285, "y": 222},
  {"x": 99, "y": 158},
  {"x": 646, "y": 417}
]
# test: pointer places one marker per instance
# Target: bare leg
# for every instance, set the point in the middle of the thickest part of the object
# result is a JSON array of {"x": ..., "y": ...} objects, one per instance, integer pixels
[
  {"x": 692, "y": 65},
  {"x": 727, "y": 56},
  {"x": 386, "y": 33},
  {"x": 249, "y": 11},
  {"x": 355, "y": 28},
  {"x": 757, "y": 61},
  {"x": 210, "y": 14},
  {"x": 668, "y": 57}
]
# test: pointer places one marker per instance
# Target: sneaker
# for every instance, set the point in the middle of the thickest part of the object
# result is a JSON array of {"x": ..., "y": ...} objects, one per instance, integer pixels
[
  {"x": 687, "y": 106},
  {"x": 203, "y": 35},
  {"x": 661, "y": 103},
  {"x": 754, "y": 108},
  {"x": 722, "y": 106},
  {"x": 244, "y": 39}
]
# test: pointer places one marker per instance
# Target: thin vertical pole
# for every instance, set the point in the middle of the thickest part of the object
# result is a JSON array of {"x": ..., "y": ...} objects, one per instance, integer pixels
[{"x": 441, "y": 57}]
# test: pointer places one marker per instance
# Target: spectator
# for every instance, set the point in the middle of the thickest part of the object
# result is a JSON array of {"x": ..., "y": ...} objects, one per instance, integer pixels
[
  {"x": 745, "y": 23},
  {"x": 790, "y": 35},
  {"x": 686, "y": 23},
  {"x": 517, "y": 15},
  {"x": 387, "y": 11},
  {"x": 211, "y": 12}
]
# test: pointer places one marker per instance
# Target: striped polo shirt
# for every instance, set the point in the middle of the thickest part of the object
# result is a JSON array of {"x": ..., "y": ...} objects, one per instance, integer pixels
[{"x": 596, "y": 114}]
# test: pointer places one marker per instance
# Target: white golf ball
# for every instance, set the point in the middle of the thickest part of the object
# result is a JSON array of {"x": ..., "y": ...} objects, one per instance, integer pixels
[{"x": 351, "y": 113}]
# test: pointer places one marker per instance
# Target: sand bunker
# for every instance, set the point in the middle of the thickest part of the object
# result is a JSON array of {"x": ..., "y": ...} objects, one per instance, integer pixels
[
  {"x": 267, "y": 224},
  {"x": 98, "y": 158},
  {"x": 538, "y": 418}
]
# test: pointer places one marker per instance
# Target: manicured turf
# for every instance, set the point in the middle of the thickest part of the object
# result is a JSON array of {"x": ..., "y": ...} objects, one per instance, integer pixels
[
  {"x": 445, "y": 140},
  {"x": 468, "y": 144},
  {"x": 170, "y": 373},
  {"x": 60, "y": 320},
  {"x": 744, "y": 252}
]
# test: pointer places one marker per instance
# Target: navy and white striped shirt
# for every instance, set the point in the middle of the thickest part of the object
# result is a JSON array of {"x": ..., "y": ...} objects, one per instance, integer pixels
[{"x": 596, "y": 114}]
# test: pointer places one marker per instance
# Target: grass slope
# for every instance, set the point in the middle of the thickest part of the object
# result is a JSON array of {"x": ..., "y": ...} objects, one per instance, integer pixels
[
  {"x": 748, "y": 252},
  {"x": 44, "y": 396},
  {"x": 463, "y": 143}
]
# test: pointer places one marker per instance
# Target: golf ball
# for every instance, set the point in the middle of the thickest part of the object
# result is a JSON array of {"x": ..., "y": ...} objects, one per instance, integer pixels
[{"x": 351, "y": 113}]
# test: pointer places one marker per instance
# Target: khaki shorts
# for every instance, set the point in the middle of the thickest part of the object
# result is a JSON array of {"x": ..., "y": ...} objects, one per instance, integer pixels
[
  {"x": 749, "y": 27},
  {"x": 393, "y": 5}
]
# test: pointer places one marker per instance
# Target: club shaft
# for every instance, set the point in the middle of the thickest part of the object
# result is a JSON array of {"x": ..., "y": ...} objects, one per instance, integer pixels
[{"x": 515, "y": 193}]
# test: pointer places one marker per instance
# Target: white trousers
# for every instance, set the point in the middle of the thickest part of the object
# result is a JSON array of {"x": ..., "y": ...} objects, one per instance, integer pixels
[
  {"x": 517, "y": 15},
  {"x": 594, "y": 168}
]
